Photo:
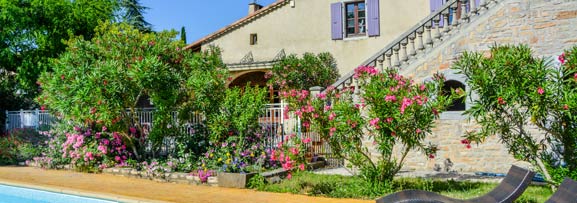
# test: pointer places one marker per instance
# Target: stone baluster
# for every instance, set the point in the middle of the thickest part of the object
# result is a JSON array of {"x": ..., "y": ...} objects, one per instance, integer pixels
[
  {"x": 380, "y": 62},
  {"x": 455, "y": 20},
  {"x": 397, "y": 58},
  {"x": 389, "y": 54},
  {"x": 429, "y": 35},
  {"x": 421, "y": 45},
  {"x": 447, "y": 27},
  {"x": 464, "y": 14},
  {"x": 437, "y": 21},
  {"x": 348, "y": 83},
  {"x": 473, "y": 6},
  {"x": 412, "y": 48},
  {"x": 405, "y": 57}
]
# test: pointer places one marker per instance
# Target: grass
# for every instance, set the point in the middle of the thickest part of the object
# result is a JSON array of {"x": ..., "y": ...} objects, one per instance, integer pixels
[{"x": 337, "y": 186}]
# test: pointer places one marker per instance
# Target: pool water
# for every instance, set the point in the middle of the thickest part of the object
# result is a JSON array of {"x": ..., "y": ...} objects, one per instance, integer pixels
[{"x": 10, "y": 194}]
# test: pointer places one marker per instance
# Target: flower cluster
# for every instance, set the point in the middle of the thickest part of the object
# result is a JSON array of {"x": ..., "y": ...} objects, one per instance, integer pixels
[
  {"x": 291, "y": 153},
  {"x": 364, "y": 71},
  {"x": 85, "y": 149}
]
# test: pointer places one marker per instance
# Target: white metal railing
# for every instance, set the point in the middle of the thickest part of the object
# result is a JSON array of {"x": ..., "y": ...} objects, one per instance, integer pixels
[{"x": 28, "y": 119}]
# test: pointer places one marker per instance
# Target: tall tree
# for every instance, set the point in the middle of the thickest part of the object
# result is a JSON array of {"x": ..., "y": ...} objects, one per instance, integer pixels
[
  {"x": 133, "y": 14},
  {"x": 183, "y": 34},
  {"x": 33, "y": 31}
]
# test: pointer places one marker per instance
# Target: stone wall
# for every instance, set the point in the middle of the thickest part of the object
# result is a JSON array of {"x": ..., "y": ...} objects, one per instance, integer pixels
[{"x": 547, "y": 26}]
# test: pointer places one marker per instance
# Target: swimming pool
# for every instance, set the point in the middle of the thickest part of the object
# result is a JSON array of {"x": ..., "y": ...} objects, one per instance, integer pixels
[{"x": 10, "y": 194}]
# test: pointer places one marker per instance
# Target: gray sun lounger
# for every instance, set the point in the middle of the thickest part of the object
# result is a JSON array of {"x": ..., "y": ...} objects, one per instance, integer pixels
[
  {"x": 566, "y": 193},
  {"x": 512, "y": 186}
]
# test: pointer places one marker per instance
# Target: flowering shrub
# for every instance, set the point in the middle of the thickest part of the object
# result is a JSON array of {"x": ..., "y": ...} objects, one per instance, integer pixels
[
  {"x": 392, "y": 111},
  {"x": 311, "y": 70},
  {"x": 120, "y": 67},
  {"x": 291, "y": 153},
  {"x": 19, "y": 145},
  {"x": 518, "y": 91},
  {"x": 85, "y": 149},
  {"x": 236, "y": 136}
]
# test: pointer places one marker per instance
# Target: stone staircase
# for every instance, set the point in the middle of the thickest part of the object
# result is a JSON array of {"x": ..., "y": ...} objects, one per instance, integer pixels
[{"x": 425, "y": 37}]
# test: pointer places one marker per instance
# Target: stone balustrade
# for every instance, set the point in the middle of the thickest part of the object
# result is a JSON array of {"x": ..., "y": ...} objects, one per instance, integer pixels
[{"x": 423, "y": 37}]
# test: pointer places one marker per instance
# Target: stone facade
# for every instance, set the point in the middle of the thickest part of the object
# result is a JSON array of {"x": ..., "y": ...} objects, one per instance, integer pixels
[{"x": 547, "y": 26}]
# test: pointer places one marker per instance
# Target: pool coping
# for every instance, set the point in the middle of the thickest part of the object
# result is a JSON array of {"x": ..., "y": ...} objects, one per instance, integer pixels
[{"x": 81, "y": 193}]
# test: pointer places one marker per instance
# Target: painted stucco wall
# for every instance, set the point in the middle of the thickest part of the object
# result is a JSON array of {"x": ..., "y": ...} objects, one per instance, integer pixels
[
  {"x": 307, "y": 28},
  {"x": 547, "y": 26}
]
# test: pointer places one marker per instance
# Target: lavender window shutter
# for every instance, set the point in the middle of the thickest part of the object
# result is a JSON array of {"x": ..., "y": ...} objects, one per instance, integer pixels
[
  {"x": 373, "y": 18},
  {"x": 436, "y": 5},
  {"x": 433, "y": 5},
  {"x": 336, "y": 21}
]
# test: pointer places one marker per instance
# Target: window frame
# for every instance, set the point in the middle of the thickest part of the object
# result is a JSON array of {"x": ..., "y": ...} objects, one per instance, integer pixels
[
  {"x": 355, "y": 18},
  {"x": 253, "y": 39}
]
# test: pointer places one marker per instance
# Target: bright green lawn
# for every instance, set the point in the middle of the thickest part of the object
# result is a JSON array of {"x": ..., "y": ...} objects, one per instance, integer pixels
[{"x": 353, "y": 187}]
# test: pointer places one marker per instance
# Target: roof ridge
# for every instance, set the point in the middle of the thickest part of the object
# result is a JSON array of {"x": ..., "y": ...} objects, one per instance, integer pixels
[{"x": 266, "y": 10}]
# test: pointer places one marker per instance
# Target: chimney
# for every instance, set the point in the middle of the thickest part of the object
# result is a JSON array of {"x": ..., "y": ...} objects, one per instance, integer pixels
[{"x": 253, "y": 7}]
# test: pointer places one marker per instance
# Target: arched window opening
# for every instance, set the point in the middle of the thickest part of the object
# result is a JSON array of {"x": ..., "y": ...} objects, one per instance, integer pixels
[{"x": 458, "y": 104}]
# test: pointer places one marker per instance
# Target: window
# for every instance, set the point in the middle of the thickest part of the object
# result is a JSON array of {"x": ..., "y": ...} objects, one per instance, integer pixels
[
  {"x": 458, "y": 104},
  {"x": 355, "y": 19},
  {"x": 253, "y": 39}
]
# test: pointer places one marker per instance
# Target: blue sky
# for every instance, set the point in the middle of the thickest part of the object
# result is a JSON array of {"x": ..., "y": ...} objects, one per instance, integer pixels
[{"x": 200, "y": 17}]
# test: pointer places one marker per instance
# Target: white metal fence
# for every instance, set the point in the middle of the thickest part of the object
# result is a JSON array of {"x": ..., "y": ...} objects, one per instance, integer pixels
[
  {"x": 276, "y": 127},
  {"x": 28, "y": 119}
]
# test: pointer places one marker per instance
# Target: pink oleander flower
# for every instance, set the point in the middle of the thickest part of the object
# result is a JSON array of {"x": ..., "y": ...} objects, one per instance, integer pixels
[
  {"x": 361, "y": 70},
  {"x": 406, "y": 103},
  {"x": 540, "y": 90},
  {"x": 389, "y": 120},
  {"x": 562, "y": 58},
  {"x": 418, "y": 131},
  {"x": 306, "y": 140},
  {"x": 423, "y": 87},
  {"x": 132, "y": 130},
  {"x": 566, "y": 107},
  {"x": 302, "y": 167},
  {"x": 328, "y": 108},
  {"x": 390, "y": 98},
  {"x": 332, "y": 131},
  {"x": 332, "y": 116},
  {"x": 288, "y": 176},
  {"x": 322, "y": 96},
  {"x": 104, "y": 128},
  {"x": 375, "y": 122},
  {"x": 294, "y": 151}
]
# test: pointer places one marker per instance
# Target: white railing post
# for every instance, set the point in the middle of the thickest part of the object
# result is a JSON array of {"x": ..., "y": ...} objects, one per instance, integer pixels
[
  {"x": 21, "y": 118},
  {"x": 7, "y": 122},
  {"x": 36, "y": 119}
]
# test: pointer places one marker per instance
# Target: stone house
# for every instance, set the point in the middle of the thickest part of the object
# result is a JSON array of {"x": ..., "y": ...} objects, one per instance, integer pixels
[{"x": 420, "y": 37}]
